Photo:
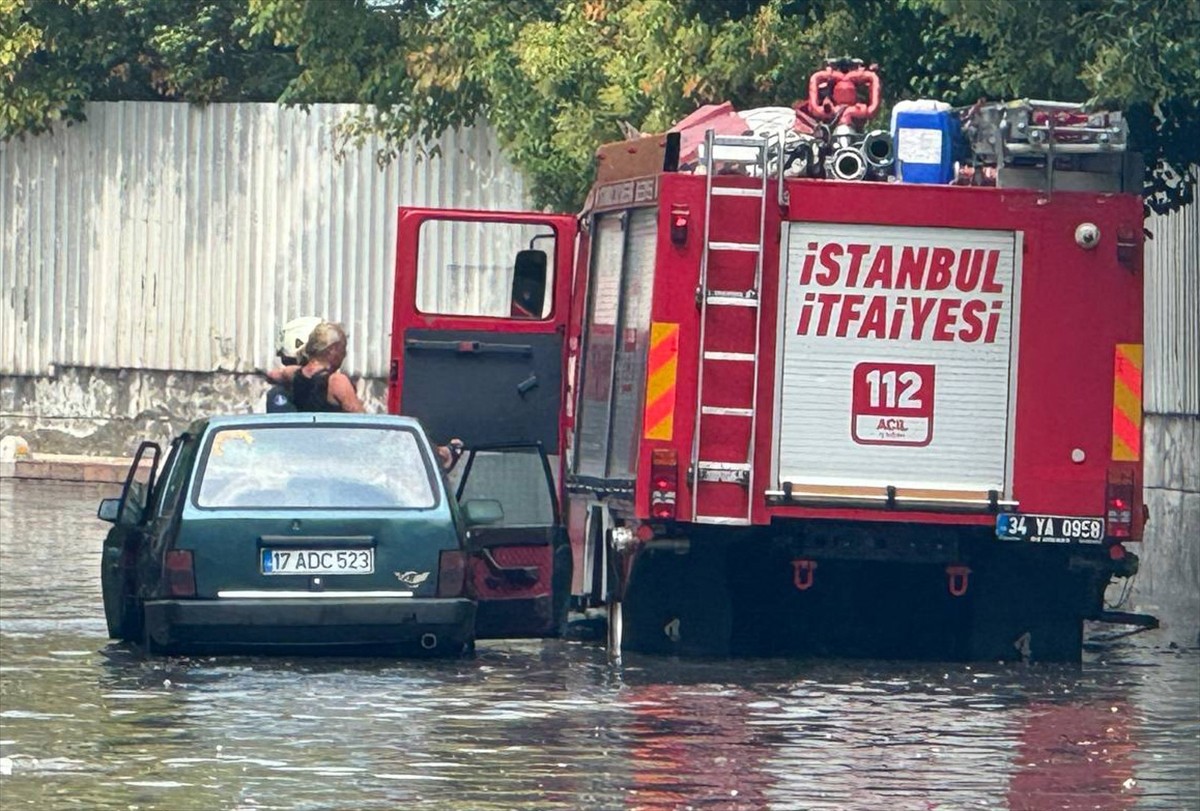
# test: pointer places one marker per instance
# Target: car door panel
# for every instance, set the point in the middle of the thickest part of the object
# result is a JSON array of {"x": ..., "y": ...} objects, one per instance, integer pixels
[
  {"x": 520, "y": 565},
  {"x": 123, "y": 544}
]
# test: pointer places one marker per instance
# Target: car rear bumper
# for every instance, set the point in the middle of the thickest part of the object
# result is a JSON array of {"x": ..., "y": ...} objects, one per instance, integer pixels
[{"x": 431, "y": 625}]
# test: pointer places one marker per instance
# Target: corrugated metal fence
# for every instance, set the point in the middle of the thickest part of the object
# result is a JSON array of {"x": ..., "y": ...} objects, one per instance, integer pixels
[
  {"x": 1172, "y": 379},
  {"x": 165, "y": 236}
]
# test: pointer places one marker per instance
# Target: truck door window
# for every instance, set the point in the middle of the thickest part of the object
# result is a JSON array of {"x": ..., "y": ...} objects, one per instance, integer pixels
[
  {"x": 629, "y": 367},
  {"x": 610, "y": 402},
  {"x": 495, "y": 269},
  {"x": 595, "y": 393}
]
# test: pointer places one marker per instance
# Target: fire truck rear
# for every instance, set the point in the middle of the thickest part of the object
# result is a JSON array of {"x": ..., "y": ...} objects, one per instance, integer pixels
[{"x": 822, "y": 390}]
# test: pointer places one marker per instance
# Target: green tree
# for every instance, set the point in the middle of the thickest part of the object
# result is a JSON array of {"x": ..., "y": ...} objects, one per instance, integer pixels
[
  {"x": 557, "y": 79},
  {"x": 55, "y": 56}
]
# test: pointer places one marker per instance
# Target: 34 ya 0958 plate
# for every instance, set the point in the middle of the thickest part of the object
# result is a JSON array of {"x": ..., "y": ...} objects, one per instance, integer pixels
[{"x": 1049, "y": 528}]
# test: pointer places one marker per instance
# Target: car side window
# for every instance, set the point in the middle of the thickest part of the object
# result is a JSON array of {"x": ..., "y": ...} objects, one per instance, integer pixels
[{"x": 515, "y": 477}]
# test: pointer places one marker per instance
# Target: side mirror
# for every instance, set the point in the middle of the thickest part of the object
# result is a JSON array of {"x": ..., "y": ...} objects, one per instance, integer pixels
[
  {"x": 529, "y": 284},
  {"x": 110, "y": 508},
  {"x": 479, "y": 511}
]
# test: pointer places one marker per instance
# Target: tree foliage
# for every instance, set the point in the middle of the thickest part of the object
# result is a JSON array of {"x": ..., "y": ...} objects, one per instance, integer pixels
[
  {"x": 55, "y": 56},
  {"x": 1140, "y": 56},
  {"x": 556, "y": 78}
]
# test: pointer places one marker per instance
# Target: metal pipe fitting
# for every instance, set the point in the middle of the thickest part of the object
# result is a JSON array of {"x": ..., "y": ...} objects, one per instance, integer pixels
[
  {"x": 848, "y": 164},
  {"x": 878, "y": 149},
  {"x": 844, "y": 136}
]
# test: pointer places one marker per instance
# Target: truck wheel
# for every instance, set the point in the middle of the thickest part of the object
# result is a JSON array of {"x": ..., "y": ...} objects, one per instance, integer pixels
[
  {"x": 678, "y": 604},
  {"x": 1029, "y": 639}
]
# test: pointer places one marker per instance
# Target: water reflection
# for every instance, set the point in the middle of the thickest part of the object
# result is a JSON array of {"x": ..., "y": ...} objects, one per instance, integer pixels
[{"x": 89, "y": 724}]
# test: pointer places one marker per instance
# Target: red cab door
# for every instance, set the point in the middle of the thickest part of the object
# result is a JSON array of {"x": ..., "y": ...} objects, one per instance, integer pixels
[{"x": 479, "y": 324}]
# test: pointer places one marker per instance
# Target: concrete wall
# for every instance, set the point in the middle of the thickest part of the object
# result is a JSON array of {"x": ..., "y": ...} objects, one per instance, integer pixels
[
  {"x": 107, "y": 412},
  {"x": 1168, "y": 584}
]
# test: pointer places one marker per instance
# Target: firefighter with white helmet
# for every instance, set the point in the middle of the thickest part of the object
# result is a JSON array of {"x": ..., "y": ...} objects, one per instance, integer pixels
[
  {"x": 289, "y": 344},
  {"x": 289, "y": 348}
]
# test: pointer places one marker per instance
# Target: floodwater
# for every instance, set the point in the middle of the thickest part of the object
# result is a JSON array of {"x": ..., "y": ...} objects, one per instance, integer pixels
[{"x": 90, "y": 724}]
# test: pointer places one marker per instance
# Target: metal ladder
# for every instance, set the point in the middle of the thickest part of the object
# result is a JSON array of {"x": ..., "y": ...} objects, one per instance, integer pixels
[{"x": 747, "y": 151}]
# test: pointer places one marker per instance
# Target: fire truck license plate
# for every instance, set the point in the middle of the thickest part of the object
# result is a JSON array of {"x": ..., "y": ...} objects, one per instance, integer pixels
[{"x": 1049, "y": 528}]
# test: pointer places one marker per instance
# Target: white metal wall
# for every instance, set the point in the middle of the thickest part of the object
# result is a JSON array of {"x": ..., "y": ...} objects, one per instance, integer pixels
[
  {"x": 1172, "y": 375},
  {"x": 165, "y": 236}
]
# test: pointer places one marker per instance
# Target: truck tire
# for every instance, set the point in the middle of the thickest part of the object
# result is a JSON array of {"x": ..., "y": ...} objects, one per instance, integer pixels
[{"x": 678, "y": 604}]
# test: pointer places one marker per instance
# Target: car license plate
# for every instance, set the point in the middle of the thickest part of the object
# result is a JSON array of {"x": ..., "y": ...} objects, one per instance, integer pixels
[
  {"x": 318, "y": 561},
  {"x": 1049, "y": 528}
]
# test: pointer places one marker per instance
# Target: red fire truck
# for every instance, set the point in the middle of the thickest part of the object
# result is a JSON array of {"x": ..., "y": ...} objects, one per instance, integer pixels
[{"x": 760, "y": 398}]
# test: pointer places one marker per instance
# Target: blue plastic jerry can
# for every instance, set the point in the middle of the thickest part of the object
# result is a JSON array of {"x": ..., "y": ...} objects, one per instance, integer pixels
[{"x": 923, "y": 133}]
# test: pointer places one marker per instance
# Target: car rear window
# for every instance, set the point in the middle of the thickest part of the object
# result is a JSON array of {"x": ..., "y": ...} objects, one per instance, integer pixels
[{"x": 318, "y": 467}]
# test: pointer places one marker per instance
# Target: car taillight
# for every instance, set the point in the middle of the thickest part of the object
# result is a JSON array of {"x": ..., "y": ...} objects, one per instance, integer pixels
[
  {"x": 664, "y": 477},
  {"x": 180, "y": 576},
  {"x": 1119, "y": 511},
  {"x": 452, "y": 571}
]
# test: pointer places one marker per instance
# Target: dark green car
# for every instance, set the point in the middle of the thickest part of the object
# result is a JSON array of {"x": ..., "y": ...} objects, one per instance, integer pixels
[{"x": 330, "y": 532}]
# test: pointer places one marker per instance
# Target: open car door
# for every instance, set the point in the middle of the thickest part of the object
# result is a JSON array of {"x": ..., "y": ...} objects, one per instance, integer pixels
[
  {"x": 520, "y": 557},
  {"x": 123, "y": 544},
  {"x": 482, "y": 300}
]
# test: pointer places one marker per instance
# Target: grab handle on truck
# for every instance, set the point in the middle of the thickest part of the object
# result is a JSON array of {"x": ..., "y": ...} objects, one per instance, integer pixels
[{"x": 469, "y": 347}]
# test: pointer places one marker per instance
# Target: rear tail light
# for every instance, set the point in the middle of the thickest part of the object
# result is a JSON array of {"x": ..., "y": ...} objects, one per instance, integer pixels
[
  {"x": 452, "y": 569},
  {"x": 1118, "y": 498},
  {"x": 664, "y": 478},
  {"x": 179, "y": 573}
]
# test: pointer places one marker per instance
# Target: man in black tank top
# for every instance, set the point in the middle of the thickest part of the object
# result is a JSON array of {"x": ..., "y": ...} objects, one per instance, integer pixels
[{"x": 319, "y": 385}]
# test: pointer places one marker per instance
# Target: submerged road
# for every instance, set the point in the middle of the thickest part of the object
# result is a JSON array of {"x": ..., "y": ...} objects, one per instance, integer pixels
[{"x": 87, "y": 723}]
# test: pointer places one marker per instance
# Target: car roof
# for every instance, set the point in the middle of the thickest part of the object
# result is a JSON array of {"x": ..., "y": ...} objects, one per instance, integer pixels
[{"x": 311, "y": 418}]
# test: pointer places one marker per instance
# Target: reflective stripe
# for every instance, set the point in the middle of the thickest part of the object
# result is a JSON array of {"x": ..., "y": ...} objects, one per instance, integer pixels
[
  {"x": 747, "y": 357},
  {"x": 1127, "y": 403},
  {"x": 661, "y": 368}
]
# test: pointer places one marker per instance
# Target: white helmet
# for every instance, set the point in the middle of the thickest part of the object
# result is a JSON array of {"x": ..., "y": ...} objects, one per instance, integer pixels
[{"x": 289, "y": 345}]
